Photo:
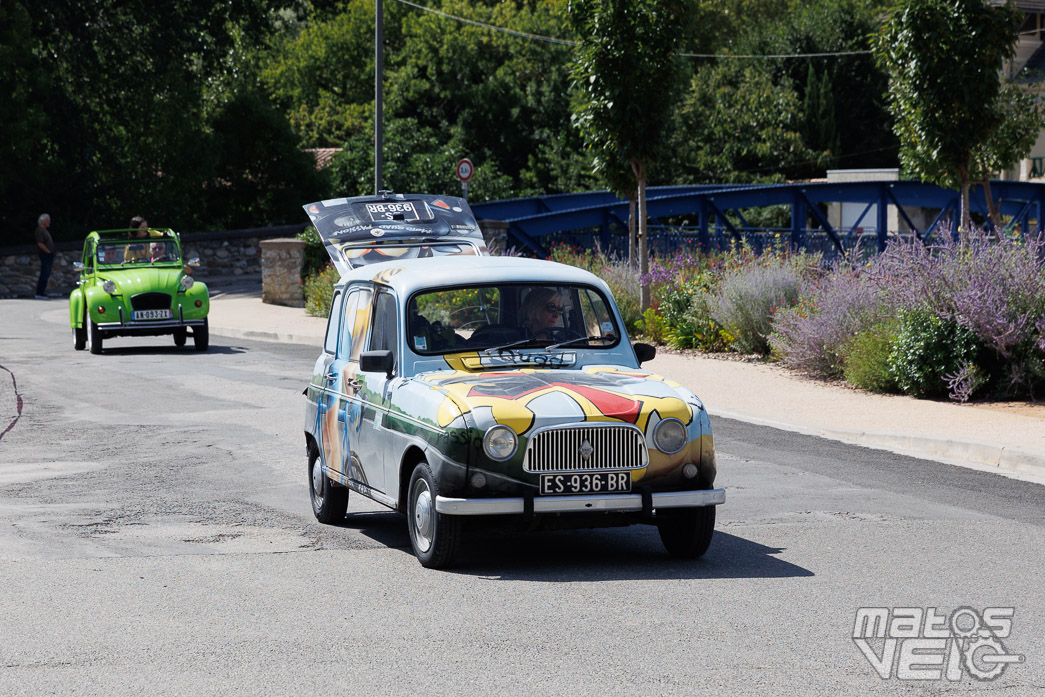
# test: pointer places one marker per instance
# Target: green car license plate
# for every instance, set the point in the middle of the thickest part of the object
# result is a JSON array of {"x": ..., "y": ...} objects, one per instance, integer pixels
[
  {"x": 586, "y": 483},
  {"x": 151, "y": 314}
]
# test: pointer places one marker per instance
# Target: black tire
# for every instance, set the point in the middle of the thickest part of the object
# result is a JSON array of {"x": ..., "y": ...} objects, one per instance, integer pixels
[
  {"x": 94, "y": 337},
  {"x": 433, "y": 535},
  {"x": 201, "y": 336},
  {"x": 686, "y": 532},
  {"x": 180, "y": 334},
  {"x": 79, "y": 338},
  {"x": 330, "y": 502}
]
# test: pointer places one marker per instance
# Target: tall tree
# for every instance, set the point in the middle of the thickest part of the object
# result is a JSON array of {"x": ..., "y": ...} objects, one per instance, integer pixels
[
  {"x": 625, "y": 67},
  {"x": 944, "y": 59}
]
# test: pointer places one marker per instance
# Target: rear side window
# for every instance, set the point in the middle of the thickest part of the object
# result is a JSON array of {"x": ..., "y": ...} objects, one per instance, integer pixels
[{"x": 330, "y": 342}]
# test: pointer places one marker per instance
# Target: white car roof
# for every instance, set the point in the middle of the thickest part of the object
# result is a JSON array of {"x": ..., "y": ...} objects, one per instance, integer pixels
[{"x": 410, "y": 275}]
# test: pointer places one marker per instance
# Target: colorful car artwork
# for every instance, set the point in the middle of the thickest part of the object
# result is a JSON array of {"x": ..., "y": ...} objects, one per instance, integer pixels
[{"x": 503, "y": 391}]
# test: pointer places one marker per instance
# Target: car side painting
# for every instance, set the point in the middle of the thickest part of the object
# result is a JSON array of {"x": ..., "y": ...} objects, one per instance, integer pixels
[
  {"x": 134, "y": 282},
  {"x": 498, "y": 391}
]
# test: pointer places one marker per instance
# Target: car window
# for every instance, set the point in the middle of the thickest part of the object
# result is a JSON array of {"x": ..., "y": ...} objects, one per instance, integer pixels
[
  {"x": 333, "y": 323},
  {"x": 357, "y": 321},
  {"x": 385, "y": 334},
  {"x": 499, "y": 315}
]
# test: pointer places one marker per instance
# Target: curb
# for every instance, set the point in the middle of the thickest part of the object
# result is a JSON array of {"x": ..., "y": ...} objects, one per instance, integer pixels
[
  {"x": 276, "y": 337},
  {"x": 962, "y": 453}
]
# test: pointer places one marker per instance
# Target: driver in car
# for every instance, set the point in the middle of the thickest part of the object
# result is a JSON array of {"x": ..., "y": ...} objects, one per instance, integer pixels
[{"x": 541, "y": 313}]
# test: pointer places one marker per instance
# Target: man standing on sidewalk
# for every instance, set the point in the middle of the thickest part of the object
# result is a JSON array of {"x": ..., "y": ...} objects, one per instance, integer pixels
[{"x": 46, "y": 244}]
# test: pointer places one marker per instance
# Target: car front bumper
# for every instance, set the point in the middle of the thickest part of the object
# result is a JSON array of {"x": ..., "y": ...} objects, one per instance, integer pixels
[{"x": 579, "y": 504}]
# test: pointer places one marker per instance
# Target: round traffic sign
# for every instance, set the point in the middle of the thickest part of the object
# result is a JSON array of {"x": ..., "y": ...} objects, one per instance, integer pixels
[{"x": 464, "y": 169}]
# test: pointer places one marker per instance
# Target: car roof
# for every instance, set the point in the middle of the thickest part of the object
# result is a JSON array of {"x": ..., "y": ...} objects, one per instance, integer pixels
[
  {"x": 410, "y": 275},
  {"x": 125, "y": 233}
]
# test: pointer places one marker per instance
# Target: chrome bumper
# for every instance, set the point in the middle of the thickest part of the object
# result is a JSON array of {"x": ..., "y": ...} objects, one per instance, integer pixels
[
  {"x": 151, "y": 324},
  {"x": 571, "y": 504}
]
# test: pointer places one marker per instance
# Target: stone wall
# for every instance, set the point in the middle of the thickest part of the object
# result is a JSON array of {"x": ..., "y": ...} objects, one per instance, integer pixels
[
  {"x": 281, "y": 262},
  {"x": 224, "y": 256}
]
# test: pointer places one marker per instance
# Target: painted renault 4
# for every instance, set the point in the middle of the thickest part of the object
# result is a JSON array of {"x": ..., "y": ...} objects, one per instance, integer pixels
[
  {"x": 135, "y": 283},
  {"x": 500, "y": 390}
]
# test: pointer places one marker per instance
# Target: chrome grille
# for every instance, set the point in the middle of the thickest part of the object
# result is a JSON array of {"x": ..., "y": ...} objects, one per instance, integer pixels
[
  {"x": 151, "y": 301},
  {"x": 612, "y": 447}
]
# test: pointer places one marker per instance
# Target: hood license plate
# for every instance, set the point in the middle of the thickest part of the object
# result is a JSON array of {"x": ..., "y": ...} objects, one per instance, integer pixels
[
  {"x": 151, "y": 314},
  {"x": 586, "y": 483}
]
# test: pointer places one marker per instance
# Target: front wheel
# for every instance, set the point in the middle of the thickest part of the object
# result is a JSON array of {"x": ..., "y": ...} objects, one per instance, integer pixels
[
  {"x": 79, "y": 338},
  {"x": 201, "y": 336},
  {"x": 686, "y": 532},
  {"x": 94, "y": 336},
  {"x": 329, "y": 503},
  {"x": 433, "y": 535}
]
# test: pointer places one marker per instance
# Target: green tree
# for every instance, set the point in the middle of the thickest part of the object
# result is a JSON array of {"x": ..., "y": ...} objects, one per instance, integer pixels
[
  {"x": 944, "y": 59},
  {"x": 818, "y": 111},
  {"x": 736, "y": 124},
  {"x": 625, "y": 67}
]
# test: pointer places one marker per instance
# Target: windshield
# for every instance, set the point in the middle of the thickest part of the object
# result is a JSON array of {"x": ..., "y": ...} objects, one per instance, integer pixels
[
  {"x": 510, "y": 316},
  {"x": 138, "y": 251}
]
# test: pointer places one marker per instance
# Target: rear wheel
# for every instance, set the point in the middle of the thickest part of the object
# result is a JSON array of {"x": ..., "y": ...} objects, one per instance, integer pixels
[
  {"x": 94, "y": 336},
  {"x": 201, "y": 336},
  {"x": 686, "y": 532},
  {"x": 433, "y": 535},
  {"x": 179, "y": 336},
  {"x": 329, "y": 503}
]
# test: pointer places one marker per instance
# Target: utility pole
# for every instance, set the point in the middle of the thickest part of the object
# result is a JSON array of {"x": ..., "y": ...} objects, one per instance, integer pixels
[{"x": 379, "y": 59}]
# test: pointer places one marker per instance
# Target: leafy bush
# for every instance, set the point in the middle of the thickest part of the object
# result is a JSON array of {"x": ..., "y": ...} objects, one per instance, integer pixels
[
  {"x": 927, "y": 350},
  {"x": 652, "y": 326},
  {"x": 811, "y": 337},
  {"x": 319, "y": 291},
  {"x": 994, "y": 287},
  {"x": 865, "y": 359},
  {"x": 316, "y": 257},
  {"x": 747, "y": 300}
]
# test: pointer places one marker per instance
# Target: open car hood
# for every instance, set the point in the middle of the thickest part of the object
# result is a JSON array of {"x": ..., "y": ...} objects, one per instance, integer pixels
[{"x": 368, "y": 229}]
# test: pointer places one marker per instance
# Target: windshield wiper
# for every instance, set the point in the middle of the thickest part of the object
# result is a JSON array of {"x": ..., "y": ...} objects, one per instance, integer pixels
[
  {"x": 580, "y": 338},
  {"x": 516, "y": 344}
]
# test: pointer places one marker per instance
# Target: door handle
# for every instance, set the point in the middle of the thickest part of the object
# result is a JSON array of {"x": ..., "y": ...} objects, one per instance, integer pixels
[
  {"x": 354, "y": 384},
  {"x": 331, "y": 377}
]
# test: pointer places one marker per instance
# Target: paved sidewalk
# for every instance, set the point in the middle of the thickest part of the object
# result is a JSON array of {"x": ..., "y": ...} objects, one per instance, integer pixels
[{"x": 1010, "y": 442}]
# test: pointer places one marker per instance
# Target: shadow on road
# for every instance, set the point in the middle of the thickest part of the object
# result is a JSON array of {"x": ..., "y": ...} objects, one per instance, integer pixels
[
  {"x": 161, "y": 350},
  {"x": 630, "y": 553}
]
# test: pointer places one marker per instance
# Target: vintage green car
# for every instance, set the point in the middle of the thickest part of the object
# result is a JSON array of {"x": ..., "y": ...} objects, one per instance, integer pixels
[{"x": 135, "y": 283}]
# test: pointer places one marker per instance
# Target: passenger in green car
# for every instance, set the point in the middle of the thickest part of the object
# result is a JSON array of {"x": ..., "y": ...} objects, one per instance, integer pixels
[{"x": 138, "y": 252}]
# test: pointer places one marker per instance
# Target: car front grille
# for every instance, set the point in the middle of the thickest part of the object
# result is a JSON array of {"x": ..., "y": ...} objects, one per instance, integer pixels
[
  {"x": 151, "y": 301},
  {"x": 585, "y": 448}
]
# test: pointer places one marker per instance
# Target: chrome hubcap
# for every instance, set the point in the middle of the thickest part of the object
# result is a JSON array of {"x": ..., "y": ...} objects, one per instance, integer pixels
[
  {"x": 422, "y": 515},
  {"x": 317, "y": 479}
]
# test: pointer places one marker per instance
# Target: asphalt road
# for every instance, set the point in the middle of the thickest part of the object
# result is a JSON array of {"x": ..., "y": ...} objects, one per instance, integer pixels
[{"x": 156, "y": 537}]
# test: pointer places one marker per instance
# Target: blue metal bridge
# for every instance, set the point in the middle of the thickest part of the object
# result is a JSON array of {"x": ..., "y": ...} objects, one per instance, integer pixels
[{"x": 714, "y": 215}]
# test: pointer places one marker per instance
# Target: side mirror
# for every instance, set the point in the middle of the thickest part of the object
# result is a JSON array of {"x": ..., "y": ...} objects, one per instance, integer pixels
[
  {"x": 195, "y": 261},
  {"x": 377, "y": 362},
  {"x": 79, "y": 266},
  {"x": 645, "y": 352}
]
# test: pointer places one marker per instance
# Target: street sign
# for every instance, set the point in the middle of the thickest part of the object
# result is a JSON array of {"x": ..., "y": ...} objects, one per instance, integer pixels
[{"x": 465, "y": 169}]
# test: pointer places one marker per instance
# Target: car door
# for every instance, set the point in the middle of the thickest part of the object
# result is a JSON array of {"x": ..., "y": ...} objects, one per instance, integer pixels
[
  {"x": 355, "y": 331},
  {"x": 376, "y": 447},
  {"x": 326, "y": 392}
]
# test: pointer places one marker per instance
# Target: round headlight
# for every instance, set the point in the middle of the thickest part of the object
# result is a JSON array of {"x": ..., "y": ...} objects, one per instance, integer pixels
[
  {"x": 500, "y": 442},
  {"x": 669, "y": 436},
  {"x": 109, "y": 287},
  {"x": 186, "y": 282}
]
